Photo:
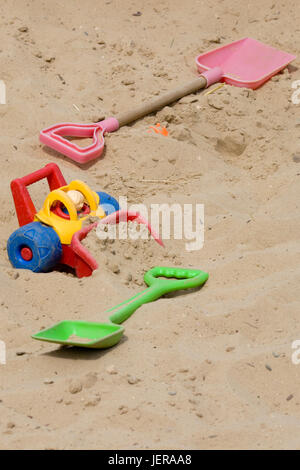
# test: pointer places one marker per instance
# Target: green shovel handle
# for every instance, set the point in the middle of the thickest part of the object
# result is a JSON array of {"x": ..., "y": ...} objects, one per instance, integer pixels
[{"x": 181, "y": 279}]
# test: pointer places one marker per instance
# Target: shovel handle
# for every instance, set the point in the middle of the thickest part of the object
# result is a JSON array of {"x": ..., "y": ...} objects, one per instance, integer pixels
[
  {"x": 184, "y": 279},
  {"x": 168, "y": 98},
  {"x": 176, "y": 278},
  {"x": 127, "y": 308}
]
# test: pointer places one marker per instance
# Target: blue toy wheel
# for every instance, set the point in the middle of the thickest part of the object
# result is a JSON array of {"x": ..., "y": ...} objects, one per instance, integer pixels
[
  {"x": 35, "y": 247},
  {"x": 108, "y": 203}
]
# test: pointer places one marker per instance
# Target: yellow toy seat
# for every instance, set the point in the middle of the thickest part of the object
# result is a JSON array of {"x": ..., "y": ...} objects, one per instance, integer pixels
[{"x": 65, "y": 228}]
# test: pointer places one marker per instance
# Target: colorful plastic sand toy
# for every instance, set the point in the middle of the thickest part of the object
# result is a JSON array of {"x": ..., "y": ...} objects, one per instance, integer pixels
[
  {"x": 53, "y": 235},
  {"x": 244, "y": 63},
  {"x": 160, "y": 280}
]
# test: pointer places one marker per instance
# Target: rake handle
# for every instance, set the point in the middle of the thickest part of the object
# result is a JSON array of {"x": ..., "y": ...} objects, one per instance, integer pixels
[{"x": 168, "y": 98}]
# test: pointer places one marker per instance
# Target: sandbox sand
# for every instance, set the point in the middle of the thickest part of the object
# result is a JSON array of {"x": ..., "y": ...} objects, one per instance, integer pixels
[{"x": 208, "y": 369}]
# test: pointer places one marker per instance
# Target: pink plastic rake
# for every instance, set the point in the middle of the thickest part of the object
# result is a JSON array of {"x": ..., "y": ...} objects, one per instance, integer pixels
[
  {"x": 125, "y": 216},
  {"x": 114, "y": 218},
  {"x": 244, "y": 63}
]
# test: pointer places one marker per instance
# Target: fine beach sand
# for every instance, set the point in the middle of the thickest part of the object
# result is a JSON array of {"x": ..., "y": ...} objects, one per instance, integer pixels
[{"x": 204, "y": 370}]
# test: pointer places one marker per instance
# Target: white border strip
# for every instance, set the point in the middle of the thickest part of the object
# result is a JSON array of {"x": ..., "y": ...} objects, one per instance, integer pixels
[
  {"x": 2, "y": 353},
  {"x": 2, "y": 92}
]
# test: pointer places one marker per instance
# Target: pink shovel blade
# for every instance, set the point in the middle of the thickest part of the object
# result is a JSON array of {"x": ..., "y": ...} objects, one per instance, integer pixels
[
  {"x": 55, "y": 137},
  {"x": 245, "y": 63}
]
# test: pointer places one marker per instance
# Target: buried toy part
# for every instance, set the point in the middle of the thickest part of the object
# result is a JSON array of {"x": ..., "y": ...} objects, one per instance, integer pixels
[{"x": 53, "y": 235}]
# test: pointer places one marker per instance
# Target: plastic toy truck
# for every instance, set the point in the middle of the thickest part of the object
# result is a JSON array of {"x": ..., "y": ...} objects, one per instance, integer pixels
[{"x": 52, "y": 236}]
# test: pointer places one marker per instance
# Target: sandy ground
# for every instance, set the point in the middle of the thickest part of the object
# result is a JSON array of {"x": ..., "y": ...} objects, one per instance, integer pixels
[{"x": 209, "y": 369}]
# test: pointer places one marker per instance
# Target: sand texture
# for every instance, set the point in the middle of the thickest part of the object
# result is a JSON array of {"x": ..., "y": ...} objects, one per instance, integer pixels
[{"x": 205, "y": 370}]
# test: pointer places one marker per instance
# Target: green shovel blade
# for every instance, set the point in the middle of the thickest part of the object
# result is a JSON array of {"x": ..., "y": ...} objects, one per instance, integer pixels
[{"x": 82, "y": 334}]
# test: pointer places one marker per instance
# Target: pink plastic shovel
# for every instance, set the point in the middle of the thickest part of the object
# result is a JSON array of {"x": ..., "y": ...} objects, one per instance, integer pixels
[{"x": 244, "y": 63}]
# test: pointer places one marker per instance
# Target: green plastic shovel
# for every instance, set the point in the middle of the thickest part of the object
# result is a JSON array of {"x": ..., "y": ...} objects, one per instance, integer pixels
[{"x": 161, "y": 280}]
